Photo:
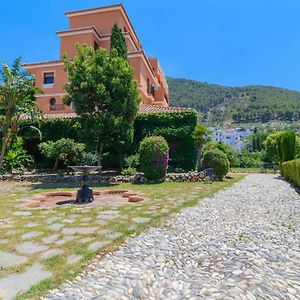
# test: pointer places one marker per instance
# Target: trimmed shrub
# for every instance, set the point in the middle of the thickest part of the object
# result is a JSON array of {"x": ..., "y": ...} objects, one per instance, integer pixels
[
  {"x": 154, "y": 157},
  {"x": 217, "y": 160},
  {"x": 287, "y": 146},
  {"x": 290, "y": 170}
]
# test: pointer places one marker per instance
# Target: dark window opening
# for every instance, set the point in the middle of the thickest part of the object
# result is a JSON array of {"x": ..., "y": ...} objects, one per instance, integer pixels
[
  {"x": 152, "y": 90},
  {"x": 49, "y": 78},
  {"x": 96, "y": 46},
  {"x": 52, "y": 101},
  {"x": 148, "y": 86}
]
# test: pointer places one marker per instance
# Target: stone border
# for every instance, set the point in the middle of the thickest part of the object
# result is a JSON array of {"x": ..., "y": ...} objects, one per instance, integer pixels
[{"x": 95, "y": 178}]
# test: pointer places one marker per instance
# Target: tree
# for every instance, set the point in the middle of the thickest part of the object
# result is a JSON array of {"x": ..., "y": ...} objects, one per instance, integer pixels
[
  {"x": 16, "y": 101},
  {"x": 117, "y": 42},
  {"x": 201, "y": 135},
  {"x": 271, "y": 146},
  {"x": 105, "y": 95},
  {"x": 287, "y": 146},
  {"x": 65, "y": 150}
]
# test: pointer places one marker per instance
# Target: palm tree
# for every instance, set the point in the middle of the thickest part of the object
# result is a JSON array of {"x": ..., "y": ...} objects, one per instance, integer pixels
[
  {"x": 201, "y": 136},
  {"x": 16, "y": 102}
]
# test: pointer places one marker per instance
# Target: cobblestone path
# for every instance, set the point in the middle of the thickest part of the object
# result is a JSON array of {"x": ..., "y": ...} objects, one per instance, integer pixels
[{"x": 242, "y": 243}]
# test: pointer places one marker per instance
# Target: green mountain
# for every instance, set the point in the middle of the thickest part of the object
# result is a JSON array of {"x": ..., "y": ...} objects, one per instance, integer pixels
[{"x": 221, "y": 104}]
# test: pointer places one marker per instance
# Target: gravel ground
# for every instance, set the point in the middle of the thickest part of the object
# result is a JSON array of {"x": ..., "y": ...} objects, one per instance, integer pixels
[{"x": 242, "y": 243}]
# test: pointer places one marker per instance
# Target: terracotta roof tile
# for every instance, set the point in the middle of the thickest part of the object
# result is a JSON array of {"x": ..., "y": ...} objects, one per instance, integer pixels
[
  {"x": 43, "y": 63},
  {"x": 79, "y": 29},
  {"x": 91, "y": 9},
  {"x": 142, "y": 109}
]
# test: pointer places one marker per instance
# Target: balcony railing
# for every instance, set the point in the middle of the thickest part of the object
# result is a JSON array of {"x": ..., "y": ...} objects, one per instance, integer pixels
[{"x": 57, "y": 107}]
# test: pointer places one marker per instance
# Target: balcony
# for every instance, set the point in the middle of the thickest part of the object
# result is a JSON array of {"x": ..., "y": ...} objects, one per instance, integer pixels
[{"x": 57, "y": 107}]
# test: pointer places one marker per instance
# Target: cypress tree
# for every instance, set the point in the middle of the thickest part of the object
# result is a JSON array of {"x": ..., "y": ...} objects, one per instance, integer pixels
[
  {"x": 117, "y": 41},
  {"x": 288, "y": 146}
]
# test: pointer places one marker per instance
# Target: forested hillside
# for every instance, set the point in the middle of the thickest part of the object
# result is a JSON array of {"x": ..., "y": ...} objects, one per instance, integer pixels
[{"x": 249, "y": 104}]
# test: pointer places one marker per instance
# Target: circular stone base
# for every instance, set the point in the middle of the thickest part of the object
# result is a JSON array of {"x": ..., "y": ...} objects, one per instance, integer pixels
[{"x": 101, "y": 197}]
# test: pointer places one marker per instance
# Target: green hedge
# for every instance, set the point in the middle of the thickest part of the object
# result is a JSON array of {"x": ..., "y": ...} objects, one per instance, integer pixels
[
  {"x": 287, "y": 146},
  {"x": 176, "y": 128},
  {"x": 290, "y": 170}
]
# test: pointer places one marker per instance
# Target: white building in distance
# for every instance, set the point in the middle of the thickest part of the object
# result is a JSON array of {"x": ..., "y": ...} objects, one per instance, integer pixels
[{"x": 235, "y": 137}]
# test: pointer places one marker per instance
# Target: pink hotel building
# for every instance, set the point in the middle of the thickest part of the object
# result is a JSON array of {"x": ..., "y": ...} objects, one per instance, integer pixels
[{"x": 93, "y": 27}]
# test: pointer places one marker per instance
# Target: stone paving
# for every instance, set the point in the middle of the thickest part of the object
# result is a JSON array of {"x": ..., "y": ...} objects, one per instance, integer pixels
[
  {"x": 35, "y": 247},
  {"x": 242, "y": 243}
]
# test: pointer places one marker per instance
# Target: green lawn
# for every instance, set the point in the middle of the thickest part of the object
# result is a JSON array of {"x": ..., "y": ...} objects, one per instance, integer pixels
[
  {"x": 251, "y": 170},
  {"x": 164, "y": 200}
]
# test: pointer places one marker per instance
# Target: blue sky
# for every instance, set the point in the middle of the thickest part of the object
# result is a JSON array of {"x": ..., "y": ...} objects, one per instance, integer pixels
[{"x": 230, "y": 42}]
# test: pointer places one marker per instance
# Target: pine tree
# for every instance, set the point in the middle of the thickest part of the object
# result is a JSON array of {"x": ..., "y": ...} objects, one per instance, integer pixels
[{"x": 117, "y": 41}]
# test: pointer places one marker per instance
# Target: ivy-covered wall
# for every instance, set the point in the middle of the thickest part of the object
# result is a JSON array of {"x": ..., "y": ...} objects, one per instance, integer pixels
[{"x": 176, "y": 128}]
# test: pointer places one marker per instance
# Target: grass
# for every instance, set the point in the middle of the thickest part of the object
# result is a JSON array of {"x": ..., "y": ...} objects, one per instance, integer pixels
[
  {"x": 164, "y": 200},
  {"x": 251, "y": 170}
]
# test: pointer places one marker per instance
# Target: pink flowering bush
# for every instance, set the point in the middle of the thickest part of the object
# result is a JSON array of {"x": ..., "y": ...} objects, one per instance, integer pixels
[{"x": 154, "y": 157}]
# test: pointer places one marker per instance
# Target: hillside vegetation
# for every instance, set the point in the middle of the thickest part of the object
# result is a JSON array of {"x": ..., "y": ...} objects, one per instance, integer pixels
[{"x": 249, "y": 104}]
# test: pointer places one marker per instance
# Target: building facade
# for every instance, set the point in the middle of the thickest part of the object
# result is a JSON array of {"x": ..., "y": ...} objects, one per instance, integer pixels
[
  {"x": 93, "y": 27},
  {"x": 235, "y": 137}
]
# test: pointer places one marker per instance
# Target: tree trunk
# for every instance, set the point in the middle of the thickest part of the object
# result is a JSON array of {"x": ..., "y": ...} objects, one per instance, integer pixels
[
  {"x": 99, "y": 156},
  {"x": 4, "y": 146},
  {"x": 121, "y": 161},
  {"x": 199, "y": 158},
  {"x": 55, "y": 164}
]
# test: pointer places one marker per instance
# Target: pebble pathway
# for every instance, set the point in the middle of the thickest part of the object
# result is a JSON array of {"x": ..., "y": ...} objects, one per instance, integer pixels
[{"x": 242, "y": 243}]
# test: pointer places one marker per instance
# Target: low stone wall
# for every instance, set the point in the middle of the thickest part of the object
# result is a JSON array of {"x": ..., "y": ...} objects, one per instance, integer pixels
[{"x": 95, "y": 178}]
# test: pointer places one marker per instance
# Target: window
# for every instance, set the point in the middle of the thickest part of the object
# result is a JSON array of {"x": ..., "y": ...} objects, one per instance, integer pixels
[
  {"x": 49, "y": 78},
  {"x": 52, "y": 101},
  {"x": 96, "y": 47},
  {"x": 148, "y": 86}
]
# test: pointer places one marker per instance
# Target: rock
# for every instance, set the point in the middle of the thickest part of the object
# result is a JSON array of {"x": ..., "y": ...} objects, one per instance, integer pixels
[
  {"x": 31, "y": 248},
  {"x": 73, "y": 259},
  {"x": 30, "y": 235},
  {"x": 52, "y": 252},
  {"x": 14, "y": 284},
  {"x": 10, "y": 259},
  {"x": 97, "y": 245},
  {"x": 136, "y": 198},
  {"x": 141, "y": 220},
  {"x": 79, "y": 230}
]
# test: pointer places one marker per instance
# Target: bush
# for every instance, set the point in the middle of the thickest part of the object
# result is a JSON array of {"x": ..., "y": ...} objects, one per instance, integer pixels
[
  {"x": 132, "y": 161},
  {"x": 154, "y": 157},
  {"x": 271, "y": 147},
  {"x": 130, "y": 171},
  {"x": 287, "y": 146},
  {"x": 228, "y": 150},
  {"x": 17, "y": 158},
  {"x": 89, "y": 158},
  {"x": 290, "y": 170},
  {"x": 217, "y": 160},
  {"x": 252, "y": 159},
  {"x": 64, "y": 150}
]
